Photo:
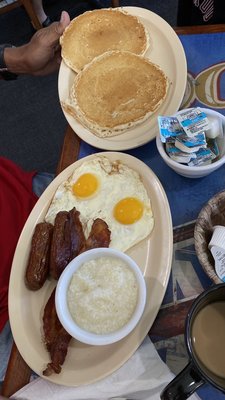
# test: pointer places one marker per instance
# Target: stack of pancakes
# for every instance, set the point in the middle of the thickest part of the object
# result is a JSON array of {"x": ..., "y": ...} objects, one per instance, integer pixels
[{"x": 115, "y": 87}]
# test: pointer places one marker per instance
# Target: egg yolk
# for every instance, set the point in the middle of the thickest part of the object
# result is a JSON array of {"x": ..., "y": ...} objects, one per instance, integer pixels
[
  {"x": 128, "y": 210},
  {"x": 85, "y": 186}
]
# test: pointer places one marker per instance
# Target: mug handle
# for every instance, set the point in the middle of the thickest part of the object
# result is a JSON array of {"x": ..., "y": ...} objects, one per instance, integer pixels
[{"x": 183, "y": 385}]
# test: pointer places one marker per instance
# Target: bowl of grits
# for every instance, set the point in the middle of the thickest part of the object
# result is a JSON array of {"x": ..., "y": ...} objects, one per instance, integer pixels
[{"x": 100, "y": 296}]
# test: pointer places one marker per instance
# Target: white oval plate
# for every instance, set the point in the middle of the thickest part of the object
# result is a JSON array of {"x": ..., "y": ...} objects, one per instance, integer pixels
[
  {"x": 84, "y": 363},
  {"x": 167, "y": 51}
]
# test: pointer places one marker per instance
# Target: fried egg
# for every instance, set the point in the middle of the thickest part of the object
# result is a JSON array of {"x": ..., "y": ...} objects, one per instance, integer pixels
[{"x": 111, "y": 191}]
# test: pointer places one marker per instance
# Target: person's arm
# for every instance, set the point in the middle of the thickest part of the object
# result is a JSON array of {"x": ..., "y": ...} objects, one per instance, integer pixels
[{"x": 41, "y": 56}]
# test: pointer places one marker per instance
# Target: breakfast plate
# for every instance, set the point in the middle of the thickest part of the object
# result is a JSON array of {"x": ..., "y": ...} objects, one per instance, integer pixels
[
  {"x": 165, "y": 50},
  {"x": 84, "y": 363}
]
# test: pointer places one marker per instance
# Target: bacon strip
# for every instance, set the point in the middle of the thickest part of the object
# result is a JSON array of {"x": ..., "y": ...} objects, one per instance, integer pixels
[
  {"x": 68, "y": 239},
  {"x": 55, "y": 337},
  {"x": 98, "y": 237}
]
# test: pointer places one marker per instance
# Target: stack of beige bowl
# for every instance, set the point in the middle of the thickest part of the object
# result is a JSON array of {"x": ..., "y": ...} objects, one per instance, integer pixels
[{"x": 115, "y": 87}]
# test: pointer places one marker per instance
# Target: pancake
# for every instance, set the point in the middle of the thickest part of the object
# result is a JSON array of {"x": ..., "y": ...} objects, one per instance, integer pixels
[
  {"x": 95, "y": 32},
  {"x": 115, "y": 92}
]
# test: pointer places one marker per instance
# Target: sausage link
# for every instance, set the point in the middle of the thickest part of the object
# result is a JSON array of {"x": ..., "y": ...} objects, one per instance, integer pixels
[{"x": 38, "y": 264}]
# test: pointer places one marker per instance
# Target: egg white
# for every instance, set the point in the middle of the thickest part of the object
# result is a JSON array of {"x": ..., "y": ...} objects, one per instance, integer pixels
[{"x": 116, "y": 182}]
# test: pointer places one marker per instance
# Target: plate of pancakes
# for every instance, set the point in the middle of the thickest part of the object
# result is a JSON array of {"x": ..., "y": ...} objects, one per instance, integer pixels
[
  {"x": 120, "y": 69},
  {"x": 98, "y": 186}
]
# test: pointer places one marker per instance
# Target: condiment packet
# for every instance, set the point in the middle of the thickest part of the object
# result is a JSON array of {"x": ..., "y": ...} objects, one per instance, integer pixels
[
  {"x": 215, "y": 127},
  {"x": 203, "y": 157},
  {"x": 190, "y": 145},
  {"x": 169, "y": 127},
  {"x": 193, "y": 121},
  {"x": 219, "y": 257},
  {"x": 178, "y": 155},
  {"x": 185, "y": 136},
  {"x": 217, "y": 248}
]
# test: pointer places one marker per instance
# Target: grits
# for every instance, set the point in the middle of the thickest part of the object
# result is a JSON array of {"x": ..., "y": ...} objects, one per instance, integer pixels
[{"x": 102, "y": 295}]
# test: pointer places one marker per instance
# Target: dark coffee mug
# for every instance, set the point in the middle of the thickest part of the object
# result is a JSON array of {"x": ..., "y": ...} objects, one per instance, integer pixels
[{"x": 205, "y": 328}]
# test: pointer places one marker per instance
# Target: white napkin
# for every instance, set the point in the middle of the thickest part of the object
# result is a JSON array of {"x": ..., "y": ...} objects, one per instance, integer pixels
[{"x": 142, "y": 377}]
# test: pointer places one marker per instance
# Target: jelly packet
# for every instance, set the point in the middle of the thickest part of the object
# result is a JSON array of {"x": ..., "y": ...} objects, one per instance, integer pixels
[{"x": 193, "y": 121}]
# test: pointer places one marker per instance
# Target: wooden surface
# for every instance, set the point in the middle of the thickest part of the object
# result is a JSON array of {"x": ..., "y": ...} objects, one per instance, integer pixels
[
  {"x": 70, "y": 150},
  {"x": 191, "y": 30},
  {"x": 27, "y": 4},
  {"x": 18, "y": 373},
  {"x": 31, "y": 13}
]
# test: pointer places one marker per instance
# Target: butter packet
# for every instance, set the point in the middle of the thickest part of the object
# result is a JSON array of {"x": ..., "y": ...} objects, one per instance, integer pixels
[
  {"x": 177, "y": 155},
  {"x": 193, "y": 121},
  {"x": 169, "y": 128},
  {"x": 215, "y": 127},
  {"x": 190, "y": 144},
  {"x": 203, "y": 157}
]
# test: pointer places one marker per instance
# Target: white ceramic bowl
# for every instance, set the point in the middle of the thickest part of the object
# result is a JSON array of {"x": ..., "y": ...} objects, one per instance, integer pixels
[
  {"x": 195, "y": 172},
  {"x": 62, "y": 306}
]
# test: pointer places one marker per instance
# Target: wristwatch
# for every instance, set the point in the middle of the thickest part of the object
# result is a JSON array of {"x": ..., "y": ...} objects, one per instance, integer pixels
[{"x": 4, "y": 72}]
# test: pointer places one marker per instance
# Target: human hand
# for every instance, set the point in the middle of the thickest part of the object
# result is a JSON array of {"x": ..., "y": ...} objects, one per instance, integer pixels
[{"x": 41, "y": 56}]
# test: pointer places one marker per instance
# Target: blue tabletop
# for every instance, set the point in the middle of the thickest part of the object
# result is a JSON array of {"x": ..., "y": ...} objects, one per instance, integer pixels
[{"x": 206, "y": 81}]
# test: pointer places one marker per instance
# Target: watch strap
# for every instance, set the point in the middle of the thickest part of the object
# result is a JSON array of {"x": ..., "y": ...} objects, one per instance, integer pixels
[{"x": 4, "y": 72}]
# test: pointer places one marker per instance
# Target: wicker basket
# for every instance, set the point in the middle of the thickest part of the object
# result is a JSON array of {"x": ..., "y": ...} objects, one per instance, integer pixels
[{"x": 213, "y": 213}]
